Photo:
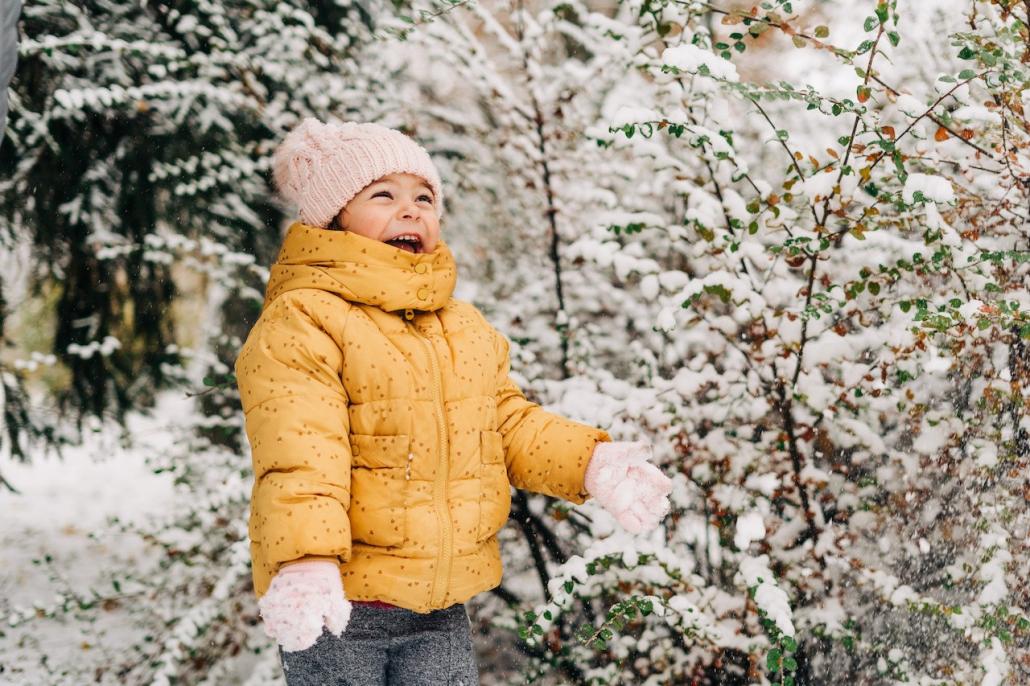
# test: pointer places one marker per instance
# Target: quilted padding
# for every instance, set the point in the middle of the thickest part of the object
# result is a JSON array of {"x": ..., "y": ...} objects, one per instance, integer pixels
[{"x": 384, "y": 428}]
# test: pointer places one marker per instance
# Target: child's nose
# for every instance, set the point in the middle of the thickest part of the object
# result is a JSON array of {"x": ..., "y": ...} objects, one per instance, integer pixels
[{"x": 410, "y": 209}]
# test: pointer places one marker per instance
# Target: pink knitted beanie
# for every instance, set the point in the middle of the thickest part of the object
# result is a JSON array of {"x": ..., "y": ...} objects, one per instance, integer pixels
[{"x": 320, "y": 167}]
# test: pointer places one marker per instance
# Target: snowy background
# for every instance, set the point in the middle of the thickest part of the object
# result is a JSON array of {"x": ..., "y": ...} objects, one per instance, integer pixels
[{"x": 786, "y": 242}]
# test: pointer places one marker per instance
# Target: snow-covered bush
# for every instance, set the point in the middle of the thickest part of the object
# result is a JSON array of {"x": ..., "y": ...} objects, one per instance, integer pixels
[
  {"x": 785, "y": 242},
  {"x": 818, "y": 264}
]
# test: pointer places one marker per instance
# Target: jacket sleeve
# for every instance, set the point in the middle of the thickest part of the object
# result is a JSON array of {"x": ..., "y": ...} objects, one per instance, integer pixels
[
  {"x": 295, "y": 405},
  {"x": 544, "y": 452}
]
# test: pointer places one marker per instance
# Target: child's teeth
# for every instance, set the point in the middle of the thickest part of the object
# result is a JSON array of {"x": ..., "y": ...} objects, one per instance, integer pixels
[{"x": 409, "y": 243}]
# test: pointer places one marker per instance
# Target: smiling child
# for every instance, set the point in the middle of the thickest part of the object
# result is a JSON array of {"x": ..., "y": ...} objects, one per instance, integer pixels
[{"x": 384, "y": 428}]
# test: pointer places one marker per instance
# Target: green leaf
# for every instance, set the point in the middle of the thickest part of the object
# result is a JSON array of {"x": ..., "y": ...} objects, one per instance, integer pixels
[
  {"x": 719, "y": 291},
  {"x": 898, "y": 164},
  {"x": 966, "y": 54},
  {"x": 870, "y": 23},
  {"x": 966, "y": 74},
  {"x": 822, "y": 31},
  {"x": 894, "y": 38},
  {"x": 772, "y": 661}
]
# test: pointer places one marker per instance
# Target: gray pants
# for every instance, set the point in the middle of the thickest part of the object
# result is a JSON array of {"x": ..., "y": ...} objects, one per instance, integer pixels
[{"x": 389, "y": 646}]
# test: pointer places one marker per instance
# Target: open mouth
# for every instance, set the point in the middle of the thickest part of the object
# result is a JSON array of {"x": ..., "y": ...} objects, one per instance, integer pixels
[{"x": 407, "y": 241}]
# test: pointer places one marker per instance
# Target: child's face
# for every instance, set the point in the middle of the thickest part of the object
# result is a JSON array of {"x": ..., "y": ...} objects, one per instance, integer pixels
[{"x": 392, "y": 206}]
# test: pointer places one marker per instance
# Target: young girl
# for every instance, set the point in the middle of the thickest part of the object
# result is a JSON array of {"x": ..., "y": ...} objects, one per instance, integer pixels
[{"x": 384, "y": 429}]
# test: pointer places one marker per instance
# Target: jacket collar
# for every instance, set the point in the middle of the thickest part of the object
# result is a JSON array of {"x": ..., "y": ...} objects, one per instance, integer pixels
[{"x": 361, "y": 270}]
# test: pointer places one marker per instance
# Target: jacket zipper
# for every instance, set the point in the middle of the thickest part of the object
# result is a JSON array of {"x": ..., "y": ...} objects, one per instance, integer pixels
[{"x": 443, "y": 513}]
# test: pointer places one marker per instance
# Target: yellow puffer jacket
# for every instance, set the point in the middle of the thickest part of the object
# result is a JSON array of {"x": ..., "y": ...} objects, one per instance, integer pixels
[{"x": 383, "y": 426}]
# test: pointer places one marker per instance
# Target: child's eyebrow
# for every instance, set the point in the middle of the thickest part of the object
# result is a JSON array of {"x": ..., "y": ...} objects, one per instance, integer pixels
[{"x": 392, "y": 182}]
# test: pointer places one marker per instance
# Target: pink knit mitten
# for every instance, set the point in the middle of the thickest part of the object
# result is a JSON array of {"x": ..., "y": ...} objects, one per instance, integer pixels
[
  {"x": 633, "y": 490},
  {"x": 300, "y": 598}
]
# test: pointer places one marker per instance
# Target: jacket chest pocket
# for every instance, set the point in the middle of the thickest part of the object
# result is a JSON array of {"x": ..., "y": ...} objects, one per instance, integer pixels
[
  {"x": 494, "y": 487},
  {"x": 378, "y": 488}
]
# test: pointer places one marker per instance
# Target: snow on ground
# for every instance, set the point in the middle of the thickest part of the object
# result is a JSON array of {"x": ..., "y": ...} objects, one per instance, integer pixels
[{"x": 62, "y": 501}]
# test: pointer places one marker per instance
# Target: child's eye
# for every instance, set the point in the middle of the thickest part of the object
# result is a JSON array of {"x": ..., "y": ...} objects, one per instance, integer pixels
[{"x": 428, "y": 198}]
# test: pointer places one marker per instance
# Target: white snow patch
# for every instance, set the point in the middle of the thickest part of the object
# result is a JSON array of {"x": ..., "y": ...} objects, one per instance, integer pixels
[
  {"x": 689, "y": 57},
  {"x": 766, "y": 484},
  {"x": 935, "y": 188},
  {"x": 911, "y": 106},
  {"x": 769, "y": 597},
  {"x": 995, "y": 664},
  {"x": 666, "y": 319},
  {"x": 819, "y": 186},
  {"x": 750, "y": 527},
  {"x": 629, "y": 114}
]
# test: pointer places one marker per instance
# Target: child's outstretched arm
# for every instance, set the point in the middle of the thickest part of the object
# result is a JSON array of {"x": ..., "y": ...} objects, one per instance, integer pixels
[
  {"x": 288, "y": 373},
  {"x": 544, "y": 452}
]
